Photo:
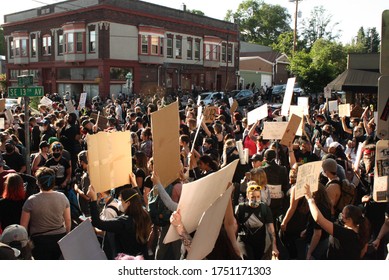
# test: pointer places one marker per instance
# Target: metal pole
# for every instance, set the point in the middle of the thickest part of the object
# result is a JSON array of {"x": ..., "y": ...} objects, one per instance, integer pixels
[
  {"x": 295, "y": 27},
  {"x": 27, "y": 133}
]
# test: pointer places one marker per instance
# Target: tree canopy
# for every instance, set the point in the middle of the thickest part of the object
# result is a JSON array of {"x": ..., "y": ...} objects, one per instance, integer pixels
[{"x": 259, "y": 22}]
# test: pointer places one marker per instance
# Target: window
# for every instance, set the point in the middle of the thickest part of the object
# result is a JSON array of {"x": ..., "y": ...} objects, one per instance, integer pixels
[
  {"x": 214, "y": 50},
  {"x": 70, "y": 43},
  {"x": 23, "y": 47},
  {"x": 11, "y": 48},
  {"x": 224, "y": 54},
  {"x": 79, "y": 41},
  {"x": 189, "y": 50},
  {"x": 178, "y": 48},
  {"x": 161, "y": 46},
  {"x": 92, "y": 41},
  {"x": 197, "y": 50},
  {"x": 154, "y": 45},
  {"x": 207, "y": 52},
  {"x": 33, "y": 45},
  {"x": 46, "y": 43},
  {"x": 17, "y": 47},
  {"x": 229, "y": 53},
  {"x": 169, "y": 47},
  {"x": 60, "y": 44},
  {"x": 145, "y": 44}
]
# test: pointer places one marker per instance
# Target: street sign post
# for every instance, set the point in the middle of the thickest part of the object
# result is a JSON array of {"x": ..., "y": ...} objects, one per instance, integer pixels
[
  {"x": 25, "y": 80},
  {"x": 14, "y": 92}
]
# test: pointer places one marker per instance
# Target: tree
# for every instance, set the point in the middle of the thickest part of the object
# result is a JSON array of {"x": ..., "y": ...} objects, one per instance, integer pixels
[
  {"x": 196, "y": 12},
  {"x": 2, "y": 42},
  {"x": 365, "y": 42},
  {"x": 284, "y": 43},
  {"x": 320, "y": 65},
  {"x": 318, "y": 26},
  {"x": 259, "y": 22}
]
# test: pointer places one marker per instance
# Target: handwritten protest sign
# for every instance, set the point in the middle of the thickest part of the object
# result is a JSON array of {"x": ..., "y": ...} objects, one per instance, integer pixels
[
  {"x": 381, "y": 176},
  {"x": 344, "y": 110},
  {"x": 234, "y": 106},
  {"x": 210, "y": 113},
  {"x": 82, "y": 100},
  {"x": 2, "y": 105},
  {"x": 274, "y": 130},
  {"x": 101, "y": 121},
  {"x": 288, "y": 96},
  {"x": 109, "y": 159},
  {"x": 257, "y": 114},
  {"x": 166, "y": 144},
  {"x": 308, "y": 173}
]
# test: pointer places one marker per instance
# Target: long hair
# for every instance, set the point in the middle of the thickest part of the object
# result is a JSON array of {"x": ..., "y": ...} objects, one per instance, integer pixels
[
  {"x": 140, "y": 216},
  {"x": 355, "y": 214},
  {"x": 259, "y": 176},
  {"x": 14, "y": 188},
  {"x": 141, "y": 161}
]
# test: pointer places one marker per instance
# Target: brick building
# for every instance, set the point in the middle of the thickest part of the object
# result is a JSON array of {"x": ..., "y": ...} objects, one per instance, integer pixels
[{"x": 90, "y": 45}]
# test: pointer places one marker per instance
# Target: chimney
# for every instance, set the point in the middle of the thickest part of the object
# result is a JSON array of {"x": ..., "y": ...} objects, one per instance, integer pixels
[{"x": 183, "y": 7}]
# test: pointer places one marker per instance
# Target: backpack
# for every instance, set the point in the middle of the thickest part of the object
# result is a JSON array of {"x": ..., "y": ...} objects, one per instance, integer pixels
[
  {"x": 159, "y": 213},
  {"x": 347, "y": 196}
]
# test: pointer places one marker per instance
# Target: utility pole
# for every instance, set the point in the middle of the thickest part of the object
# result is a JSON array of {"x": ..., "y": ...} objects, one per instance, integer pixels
[{"x": 295, "y": 25}]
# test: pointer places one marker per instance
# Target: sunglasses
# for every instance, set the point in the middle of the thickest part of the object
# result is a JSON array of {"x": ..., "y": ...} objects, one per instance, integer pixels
[{"x": 254, "y": 188}]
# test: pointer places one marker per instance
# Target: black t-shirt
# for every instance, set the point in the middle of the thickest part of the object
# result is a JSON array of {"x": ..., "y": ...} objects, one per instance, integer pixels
[
  {"x": 344, "y": 244},
  {"x": 14, "y": 160},
  {"x": 10, "y": 212},
  {"x": 60, "y": 168},
  {"x": 312, "y": 225}
]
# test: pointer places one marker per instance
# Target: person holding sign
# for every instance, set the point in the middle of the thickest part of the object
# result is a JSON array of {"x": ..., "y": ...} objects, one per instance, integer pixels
[
  {"x": 131, "y": 229},
  {"x": 349, "y": 239}
]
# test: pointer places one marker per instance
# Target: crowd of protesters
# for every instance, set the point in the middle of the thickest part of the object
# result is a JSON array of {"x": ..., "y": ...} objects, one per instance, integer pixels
[{"x": 263, "y": 220}]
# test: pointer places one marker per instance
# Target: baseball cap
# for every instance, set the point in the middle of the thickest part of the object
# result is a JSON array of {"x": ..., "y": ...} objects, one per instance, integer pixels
[
  {"x": 335, "y": 145},
  {"x": 329, "y": 165},
  {"x": 10, "y": 142},
  {"x": 43, "y": 144},
  {"x": 14, "y": 233},
  {"x": 257, "y": 157}
]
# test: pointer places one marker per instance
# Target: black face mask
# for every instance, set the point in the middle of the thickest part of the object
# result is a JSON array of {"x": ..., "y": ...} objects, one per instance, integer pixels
[
  {"x": 9, "y": 149},
  {"x": 56, "y": 155}
]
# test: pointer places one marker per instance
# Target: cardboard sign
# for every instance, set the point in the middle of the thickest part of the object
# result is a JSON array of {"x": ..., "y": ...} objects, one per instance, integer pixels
[
  {"x": 307, "y": 173},
  {"x": 46, "y": 101},
  {"x": 82, "y": 102},
  {"x": 209, "y": 227},
  {"x": 81, "y": 244},
  {"x": 274, "y": 130},
  {"x": 303, "y": 102},
  {"x": 109, "y": 159},
  {"x": 356, "y": 112},
  {"x": 381, "y": 176},
  {"x": 257, "y": 114},
  {"x": 70, "y": 107},
  {"x": 333, "y": 106},
  {"x": 9, "y": 116},
  {"x": 2, "y": 105},
  {"x": 298, "y": 111},
  {"x": 288, "y": 96},
  {"x": 230, "y": 101},
  {"x": 197, "y": 196},
  {"x": 384, "y": 57},
  {"x": 166, "y": 145},
  {"x": 383, "y": 108},
  {"x": 327, "y": 92},
  {"x": 291, "y": 130},
  {"x": 2, "y": 123},
  {"x": 100, "y": 120},
  {"x": 344, "y": 110},
  {"x": 210, "y": 113},
  {"x": 234, "y": 106}
]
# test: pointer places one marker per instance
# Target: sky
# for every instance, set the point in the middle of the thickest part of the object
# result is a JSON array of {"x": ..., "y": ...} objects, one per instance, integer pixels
[{"x": 350, "y": 14}]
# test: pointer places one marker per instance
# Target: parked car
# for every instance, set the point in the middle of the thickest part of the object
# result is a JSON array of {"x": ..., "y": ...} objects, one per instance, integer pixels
[
  {"x": 244, "y": 97},
  {"x": 212, "y": 97}
]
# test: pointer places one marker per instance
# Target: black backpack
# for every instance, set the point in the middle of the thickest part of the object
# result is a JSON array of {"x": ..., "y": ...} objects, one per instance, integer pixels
[
  {"x": 347, "y": 195},
  {"x": 159, "y": 213}
]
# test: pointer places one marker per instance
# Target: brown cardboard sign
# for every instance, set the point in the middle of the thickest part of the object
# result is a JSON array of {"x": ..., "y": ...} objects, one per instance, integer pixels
[
  {"x": 2, "y": 105},
  {"x": 356, "y": 112},
  {"x": 101, "y": 122},
  {"x": 210, "y": 113},
  {"x": 165, "y": 126},
  {"x": 291, "y": 129},
  {"x": 234, "y": 106}
]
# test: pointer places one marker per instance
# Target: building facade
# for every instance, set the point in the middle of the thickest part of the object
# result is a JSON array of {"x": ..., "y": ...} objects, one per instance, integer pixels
[{"x": 91, "y": 45}]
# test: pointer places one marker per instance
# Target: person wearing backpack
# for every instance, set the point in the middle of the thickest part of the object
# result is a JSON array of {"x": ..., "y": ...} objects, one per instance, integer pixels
[
  {"x": 256, "y": 234},
  {"x": 161, "y": 203},
  {"x": 333, "y": 186}
]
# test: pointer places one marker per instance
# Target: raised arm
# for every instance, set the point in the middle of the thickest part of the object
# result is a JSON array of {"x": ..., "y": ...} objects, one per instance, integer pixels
[
  {"x": 316, "y": 214},
  {"x": 344, "y": 126},
  {"x": 291, "y": 210}
]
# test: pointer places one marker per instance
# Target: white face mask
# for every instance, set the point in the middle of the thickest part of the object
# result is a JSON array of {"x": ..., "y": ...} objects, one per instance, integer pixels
[
  {"x": 120, "y": 207},
  {"x": 254, "y": 203}
]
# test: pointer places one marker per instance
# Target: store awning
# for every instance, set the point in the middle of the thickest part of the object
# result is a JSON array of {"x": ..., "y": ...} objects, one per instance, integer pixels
[{"x": 356, "y": 79}]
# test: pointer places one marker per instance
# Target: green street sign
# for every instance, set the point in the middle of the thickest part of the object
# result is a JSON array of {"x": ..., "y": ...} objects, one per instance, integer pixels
[
  {"x": 21, "y": 91},
  {"x": 25, "y": 80}
]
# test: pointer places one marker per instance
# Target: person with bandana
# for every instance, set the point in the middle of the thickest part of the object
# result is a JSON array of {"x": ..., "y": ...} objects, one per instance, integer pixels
[
  {"x": 131, "y": 229},
  {"x": 255, "y": 221}
]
